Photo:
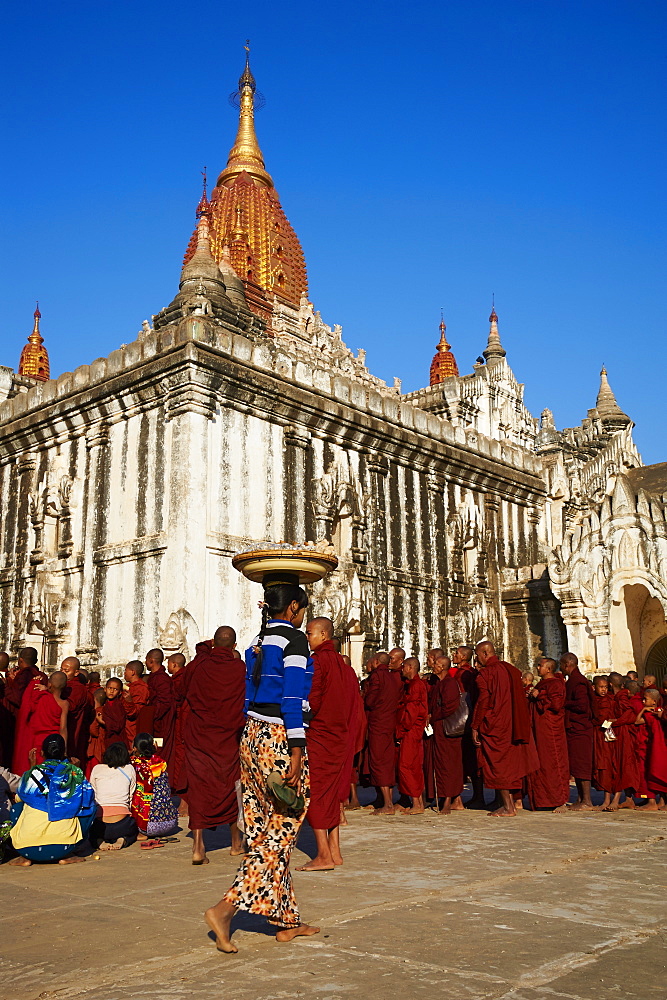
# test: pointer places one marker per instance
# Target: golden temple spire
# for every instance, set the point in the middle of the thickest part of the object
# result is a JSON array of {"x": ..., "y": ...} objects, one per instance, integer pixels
[
  {"x": 245, "y": 154},
  {"x": 444, "y": 363},
  {"x": 34, "y": 361}
]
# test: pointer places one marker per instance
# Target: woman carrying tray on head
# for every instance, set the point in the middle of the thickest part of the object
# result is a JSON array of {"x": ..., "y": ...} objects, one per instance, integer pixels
[{"x": 278, "y": 680}]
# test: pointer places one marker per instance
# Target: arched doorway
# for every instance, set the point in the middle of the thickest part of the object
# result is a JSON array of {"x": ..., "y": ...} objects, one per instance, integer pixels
[
  {"x": 637, "y": 626},
  {"x": 656, "y": 661}
]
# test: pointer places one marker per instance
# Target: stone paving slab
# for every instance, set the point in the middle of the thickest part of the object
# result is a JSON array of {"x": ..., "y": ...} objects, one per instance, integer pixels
[{"x": 458, "y": 908}]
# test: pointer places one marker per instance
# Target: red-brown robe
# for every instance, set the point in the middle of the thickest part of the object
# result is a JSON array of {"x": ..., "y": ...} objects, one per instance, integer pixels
[
  {"x": 95, "y": 750},
  {"x": 654, "y": 756},
  {"x": 549, "y": 786},
  {"x": 45, "y": 720},
  {"x": 114, "y": 713},
  {"x": 626, "y": 709},
  {"x": 15, "y": 691},
  {"x": 176, "y": 759},
  {"x": 412, "y": 716},
  {"x": 164, "y": 714},
  {"x": 507, "y": 751},
  {"x": 142, "y": 714},
  {"x": 78, "y": 719},
  {"x": 579, "y": 725},
  {"x": 214, "y": 692},
  {"x": 382, "y": 696},
  {"x": 603, "y": 750},
  {"x": 7, "y": 724},
  {"x": 448, "y": 749},
  {"x": 327, "y": 736},
  {"x": 431, "y": 682},
  {"x": 356, "y": 731},
  {"x": 91, "y": 688},
  {"x": 23, "y": 742},
  {"x": 467, "y": 676}
]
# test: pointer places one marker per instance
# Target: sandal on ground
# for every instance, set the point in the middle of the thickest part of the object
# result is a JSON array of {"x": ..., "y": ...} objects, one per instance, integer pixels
[{"x": 150, "y": 845}]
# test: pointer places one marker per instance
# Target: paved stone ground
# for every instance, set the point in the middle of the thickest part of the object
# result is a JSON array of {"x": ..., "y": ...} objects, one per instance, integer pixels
[{"x": 538, "y": 908}]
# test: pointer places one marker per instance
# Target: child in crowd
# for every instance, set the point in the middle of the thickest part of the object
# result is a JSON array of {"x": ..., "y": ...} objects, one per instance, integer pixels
[
  {"x": 115, "y": 712},
  {"x": 96, "y": 740},
  {"x": 152, "y": 808},
  {"x": 652, "y": 751},
  {"x": 604, "y": 745}
]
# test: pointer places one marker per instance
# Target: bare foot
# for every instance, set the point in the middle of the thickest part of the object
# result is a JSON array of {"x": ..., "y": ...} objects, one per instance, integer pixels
[
  {"x": 457, "y": 803},
  {"x": 20, "y": 862},
  {"x": 611, "y": 808},
  {"x": 337, "y": 859},
  {"x": 583, "y": 807},
  {"x": 502, "y": 813},
  {"x": 343, "y": 818},
  {"x": 650, "y": 807},
  {"x": 628, "y": 804},
  {"x": 303, "y": 930},
  {"x": 385, "y": 811},
  {"x": 219, "y": 919},
  {"x": 562, "y": 809},
  {"x": 415, "y": 811},
  {"x": 182, "y": 808},
  {"x": 317, "y": 865},
  {"x": 73, "y": 859},
  {"x": 199, "y": 859},
  {"x": 236, "y": 852},
  {"x": 115, "y": 845},
  {"x": 445, "y": 811}
]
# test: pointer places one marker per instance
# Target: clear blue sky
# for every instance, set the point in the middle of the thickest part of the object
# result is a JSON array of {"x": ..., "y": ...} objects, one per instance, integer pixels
[{"x": 427, "y": 154}]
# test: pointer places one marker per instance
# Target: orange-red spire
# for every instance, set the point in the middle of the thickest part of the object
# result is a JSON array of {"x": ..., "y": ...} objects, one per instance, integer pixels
[
  {"x": 34, "y": 361},
  {"x": 444, "y": 363}
]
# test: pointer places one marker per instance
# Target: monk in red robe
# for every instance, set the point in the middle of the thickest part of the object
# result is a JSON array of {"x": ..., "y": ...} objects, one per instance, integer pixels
[
  {"x": 603, "y": 749},
  {"x": 138, "y": 695},
  {"x": 579, "y": 729},
  {"x": 430, "y": 679},
  {"x": 501, "y": 728},
  {"x": 467, "y": 675},
  {"x": 176, "y": 759},
  {"x": 410, "y": 722},
  {"x": 79, "y": 711},
  {"x": 448, "y": 746},
  {"x": 327, "y": 741},
  {"x": 23, "y": 741},
  {"x": 382, "y": 696},
  {"x": 356, "y": 740},
  {"x": 95, "y": 750},
  {"x": 50, "y": 712},
  {"x": 214, "y": 692},
  {"x": 652, "y": 750},
  {"x": 161, "y": 700},
  {"x": 27, "y": 669},
  {"x": 114, "y": 713},
  {"x": 549, "y": 786},
  {"x": 626, "y": 776},
  {"x": 93, "y": 684}
]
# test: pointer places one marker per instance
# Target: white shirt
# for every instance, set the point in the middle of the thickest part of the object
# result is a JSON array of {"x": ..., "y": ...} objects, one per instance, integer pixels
[{"x": 113, "y": 786}]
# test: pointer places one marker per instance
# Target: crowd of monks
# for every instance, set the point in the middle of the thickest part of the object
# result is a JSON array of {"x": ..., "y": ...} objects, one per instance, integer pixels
[{"x": 472, "y": 718}]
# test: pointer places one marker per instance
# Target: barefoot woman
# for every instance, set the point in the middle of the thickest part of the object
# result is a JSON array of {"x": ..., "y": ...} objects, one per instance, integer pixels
[{"x": 279, "y": 675}]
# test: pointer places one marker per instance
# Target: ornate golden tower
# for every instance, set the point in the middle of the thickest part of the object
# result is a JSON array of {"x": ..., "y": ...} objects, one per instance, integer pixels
[
  {"x": 34, "y": 357},
  {"x": 444, "y": 363},
  {"x": 248, "y": 226}
]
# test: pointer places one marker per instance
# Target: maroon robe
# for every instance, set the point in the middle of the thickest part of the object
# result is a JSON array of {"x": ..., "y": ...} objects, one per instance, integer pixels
[
  {"x": 603, "y": 750},
  {"x": 78, "y": 719},
  {"x": 356, "y": 731},
  {"x": 44, "y": 721},
  {"x": 654, "y": 756},
  {"x": 507, "y": 751},
  {"x": 140, "y": 719},
  {"x": 15, "y": 691},
  {"x": 626, "y": 774},
  {"x": 382, "y": 696},
  {"x": 176, "y": 759},
  {"x": 161, "y": 700},
  {"x": 412, "y": 716},
  {"x": 549, "y": 786},
  {"x": 431, "y": 682},
  {"x": 448, "y": 751},
  {"x": 327, "y": 736},
  {"x": 214, "y": 692},
  {"x": 114, "y": 713},
  {"x": 467, "y": 677},
  {"x": 579, "y": 725},
  {"x": 23, "y": 742}
]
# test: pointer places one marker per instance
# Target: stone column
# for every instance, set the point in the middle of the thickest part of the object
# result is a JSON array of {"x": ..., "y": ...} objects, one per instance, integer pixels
[
  {"x": 297, "y": 489},
  {"x": 91, "y": 602},
  {"x": 598, "y": 624},
  {"x": 437, "y": 520},
  {"x": 579, "y": 640},
  {"x": 27, "y": 464}
]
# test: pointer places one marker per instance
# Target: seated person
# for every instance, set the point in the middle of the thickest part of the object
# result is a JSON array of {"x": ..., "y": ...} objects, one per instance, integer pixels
[
  {"x": 114, "y": 782},
  {"x": 9, "y": 784},
  {"x": 152, "y": 808},
  {"x": 54, "y": 808}
]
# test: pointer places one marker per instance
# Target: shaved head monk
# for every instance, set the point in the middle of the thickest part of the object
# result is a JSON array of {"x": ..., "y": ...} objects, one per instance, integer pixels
[
  {"x": 50, "y": 714},
  {"x": 26, "y": 670},
  {"x": 161, "y": 700},
  {"x": 410, "y": 722},
  {"x": 175, "y": 761},
  {"x": 79, "y": 715},
  {"x": 448, "y": 756},
  {"x": 214, "y": 693},
  {"x": 649, "y": 681},
  {"x": 327, "y": 740},
  {"x": 549, "y": 787},
  {"x": 467, "y": 678},
  {"x": 140, "y": 719},
  {"x": 579, "y": 728},
  {"x": 382, "y": 696},
  {"x": 501, "y": 728}
]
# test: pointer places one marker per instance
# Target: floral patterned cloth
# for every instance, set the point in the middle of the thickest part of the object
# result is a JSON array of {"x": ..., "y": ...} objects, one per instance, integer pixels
[
  {"x": 264, "y": 883},
  {"x": 152, "y": 808}
]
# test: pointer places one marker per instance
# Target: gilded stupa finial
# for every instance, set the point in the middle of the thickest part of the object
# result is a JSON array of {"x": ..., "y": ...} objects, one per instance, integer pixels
[
  {"x": 444, "y": 363},
  {"x": 245, "y": 154},
  {"x": 34, "y": 361}
]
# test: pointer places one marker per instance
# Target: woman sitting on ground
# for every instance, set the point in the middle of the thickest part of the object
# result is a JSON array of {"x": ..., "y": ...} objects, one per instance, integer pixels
[
  {"x": 54, "y": 808},
  {"x": 151, "y": 806},
  {"x": 114, "y": 781}
]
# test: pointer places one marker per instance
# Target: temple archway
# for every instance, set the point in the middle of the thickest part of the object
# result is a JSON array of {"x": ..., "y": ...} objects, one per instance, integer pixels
[
  {"x": 637, "y": 626},
  {"x": 656, "y": 661}
]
